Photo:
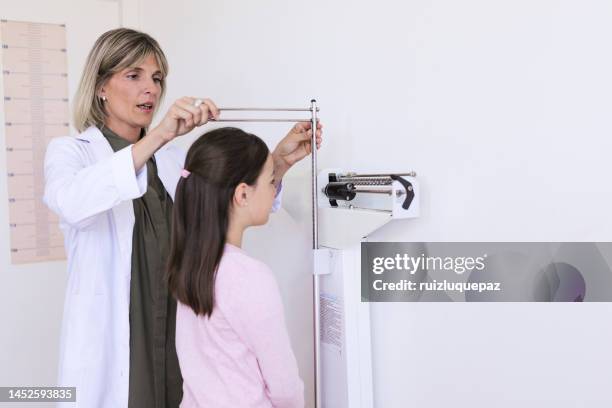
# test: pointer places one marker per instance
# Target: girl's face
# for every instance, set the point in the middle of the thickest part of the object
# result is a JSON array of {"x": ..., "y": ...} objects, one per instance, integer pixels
[
  {"x": 261, "y": 196},
  {"x": 131, "y": 97}
]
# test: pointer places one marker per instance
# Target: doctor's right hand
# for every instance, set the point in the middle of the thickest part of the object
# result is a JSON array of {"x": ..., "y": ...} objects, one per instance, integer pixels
[{"x": 184, "y": 115}]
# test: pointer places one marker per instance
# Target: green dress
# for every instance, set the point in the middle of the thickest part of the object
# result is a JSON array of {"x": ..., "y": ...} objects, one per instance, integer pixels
[{"x": 155, "y": 376}]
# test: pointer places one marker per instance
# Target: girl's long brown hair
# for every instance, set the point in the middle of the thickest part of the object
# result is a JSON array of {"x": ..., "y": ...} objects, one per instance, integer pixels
[{"x": 218, "y": 161}]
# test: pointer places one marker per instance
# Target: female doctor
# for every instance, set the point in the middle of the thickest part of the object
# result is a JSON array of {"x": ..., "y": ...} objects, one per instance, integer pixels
[{"x": 112, "y": 187}]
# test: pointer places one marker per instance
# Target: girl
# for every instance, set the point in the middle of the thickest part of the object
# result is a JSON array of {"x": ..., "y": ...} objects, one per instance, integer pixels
[{"x": 231, "y": 339}]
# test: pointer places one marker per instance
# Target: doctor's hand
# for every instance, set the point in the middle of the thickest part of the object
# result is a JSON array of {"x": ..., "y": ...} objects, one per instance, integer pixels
[
  {"x": 184, "y": 115},
  {"x": 294, "y": 147}
]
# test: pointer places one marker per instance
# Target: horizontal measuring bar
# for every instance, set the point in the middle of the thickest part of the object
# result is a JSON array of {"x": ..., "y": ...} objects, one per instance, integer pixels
[
  {"x": 260, "y": 120},
  {"x": 269, "y": 109}
]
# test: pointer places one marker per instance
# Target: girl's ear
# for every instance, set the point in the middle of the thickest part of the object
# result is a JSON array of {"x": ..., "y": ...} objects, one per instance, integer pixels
[{"x": 240, "y": 195}]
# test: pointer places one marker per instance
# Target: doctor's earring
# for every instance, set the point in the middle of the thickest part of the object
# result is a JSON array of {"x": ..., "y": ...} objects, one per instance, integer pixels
[{"x": 103, "y": 99}]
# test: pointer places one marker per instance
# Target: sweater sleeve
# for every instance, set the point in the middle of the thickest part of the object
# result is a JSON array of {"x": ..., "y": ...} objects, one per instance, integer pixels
[{"x": 255, "y": 312}]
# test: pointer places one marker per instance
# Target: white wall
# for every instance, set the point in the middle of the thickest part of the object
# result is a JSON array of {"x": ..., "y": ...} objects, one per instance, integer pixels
[
  {"x": 501, "y": 107},
  {"x": 503, "y": 110}
]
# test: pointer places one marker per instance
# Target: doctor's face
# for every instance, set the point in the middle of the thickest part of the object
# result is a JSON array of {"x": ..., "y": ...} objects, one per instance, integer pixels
[{"x": 131, "y": 96}]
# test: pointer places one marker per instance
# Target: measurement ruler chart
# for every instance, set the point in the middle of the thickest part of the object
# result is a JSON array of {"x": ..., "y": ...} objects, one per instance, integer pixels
[{"x": 35, "y": 84}]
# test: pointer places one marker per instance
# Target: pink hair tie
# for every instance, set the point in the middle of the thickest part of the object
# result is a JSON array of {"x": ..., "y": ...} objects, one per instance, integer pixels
[{"x": 185, "y": 173}]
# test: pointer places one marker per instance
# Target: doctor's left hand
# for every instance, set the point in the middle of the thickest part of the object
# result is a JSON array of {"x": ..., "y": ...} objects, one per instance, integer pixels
[{"x": 294, "y": 147}]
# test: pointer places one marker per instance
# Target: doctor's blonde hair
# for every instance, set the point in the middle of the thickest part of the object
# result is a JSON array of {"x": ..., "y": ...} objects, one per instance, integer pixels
[{"x": 112, "y": 52}]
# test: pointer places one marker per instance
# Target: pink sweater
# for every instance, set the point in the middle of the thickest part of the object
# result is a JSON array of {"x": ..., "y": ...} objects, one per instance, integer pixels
[{"x": 240, "y": 357}]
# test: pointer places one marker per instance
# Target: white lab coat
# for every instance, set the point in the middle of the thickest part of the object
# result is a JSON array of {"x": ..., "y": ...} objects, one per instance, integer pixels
[{"x": 91, "y": 189}]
